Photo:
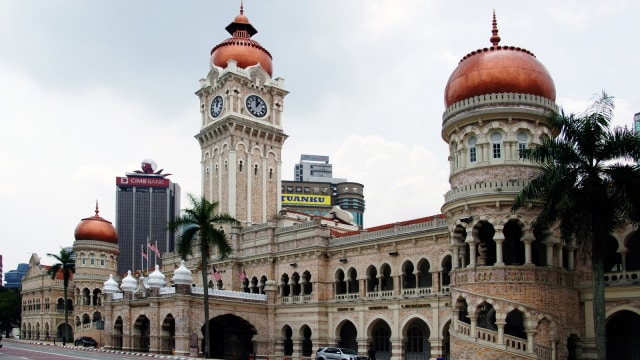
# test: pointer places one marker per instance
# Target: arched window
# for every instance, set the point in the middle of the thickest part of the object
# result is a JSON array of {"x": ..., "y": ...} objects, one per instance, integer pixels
[
  {"x": 240, "y": 163},
  {"x": 473, "y": 152},
  {"x": 523, "y": 139},
  {"x": 270, "y": 173},
  {"x": 496, "y": 145},
  {"x": 255, "y": 169}
]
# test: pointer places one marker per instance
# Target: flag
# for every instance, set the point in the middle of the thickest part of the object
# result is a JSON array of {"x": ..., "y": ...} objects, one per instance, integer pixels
[
  {"x": 216, "y": 274},
  {"x": 144, "y": 254},
  {"x": 243, "y": 275},
  {"x": 154, "y": 248}
]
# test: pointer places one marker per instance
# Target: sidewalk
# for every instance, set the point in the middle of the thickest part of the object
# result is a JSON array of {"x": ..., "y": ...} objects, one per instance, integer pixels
[{"x": 71, "y": 346}]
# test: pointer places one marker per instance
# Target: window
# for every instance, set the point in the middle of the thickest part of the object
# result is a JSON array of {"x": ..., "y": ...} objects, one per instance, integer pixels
[
  {"x": 255, "y": 170},
  {"x": 496, "y": 145},
  {"x": 270, "y": 173},
  {"x": 240, "y": 163},
  {"x": 473, "y": 156},
  {"x": 523, "y": 138}
]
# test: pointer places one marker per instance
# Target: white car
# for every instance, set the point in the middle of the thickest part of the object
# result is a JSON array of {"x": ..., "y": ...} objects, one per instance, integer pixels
[{"x": 336, "y": 353}]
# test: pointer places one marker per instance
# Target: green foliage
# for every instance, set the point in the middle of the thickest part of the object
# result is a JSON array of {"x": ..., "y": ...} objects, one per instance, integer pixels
[
  {"x": 202, "y": 227},
  {"x": 67, "y": 266},
  {"x": 10, "y": 309},
  {"x": 588, "y": 184}
]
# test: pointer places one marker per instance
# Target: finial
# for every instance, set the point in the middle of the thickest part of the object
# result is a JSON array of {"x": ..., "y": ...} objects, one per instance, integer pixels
[
  {"x": 495, "y": 38},
  {"x": 97, "y": 211},
  {"x": 241, "y": 8}
]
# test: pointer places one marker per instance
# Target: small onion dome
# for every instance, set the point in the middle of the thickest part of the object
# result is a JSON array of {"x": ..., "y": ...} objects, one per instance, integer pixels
[
  {"x": 182, "y": 275},
  {"x": 156, "y": 278},
  {"x": 499, "y": 69},
  {"x": 129, "y": 283},
  {"x": 96, "y": 228},
  {"x": 110, "y": 286},
  {"x": 240, "y": 47}
]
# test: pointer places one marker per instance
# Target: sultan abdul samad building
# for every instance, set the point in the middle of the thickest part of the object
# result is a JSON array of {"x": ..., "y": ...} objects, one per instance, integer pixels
[{"x": 474, "y": 282}]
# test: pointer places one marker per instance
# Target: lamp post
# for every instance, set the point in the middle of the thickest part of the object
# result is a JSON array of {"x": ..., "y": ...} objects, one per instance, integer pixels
[{"x": 110, "y": 287}]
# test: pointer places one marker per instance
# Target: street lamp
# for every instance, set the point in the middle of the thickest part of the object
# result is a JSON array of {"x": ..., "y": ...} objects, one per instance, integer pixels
[{"x": 110, "y": 287}]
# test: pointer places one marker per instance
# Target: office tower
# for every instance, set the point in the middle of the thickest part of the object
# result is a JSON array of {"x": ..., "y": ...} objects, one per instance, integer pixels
[{"x": 145, "y": 203}]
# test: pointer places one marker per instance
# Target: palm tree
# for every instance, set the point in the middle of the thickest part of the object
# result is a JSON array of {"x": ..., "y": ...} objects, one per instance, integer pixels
[
  {"x": 66, "y": 265},
  {"x": 202, "y": 221},
  {"x": 588, "y": 184}
]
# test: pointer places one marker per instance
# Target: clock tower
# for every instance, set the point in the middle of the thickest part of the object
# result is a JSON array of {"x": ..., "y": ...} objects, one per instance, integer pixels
[{"x": 241, "y": 135}]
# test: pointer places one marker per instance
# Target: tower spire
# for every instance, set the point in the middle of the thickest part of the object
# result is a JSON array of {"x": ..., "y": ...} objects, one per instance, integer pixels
[
  {"x": 495, "y": 38},
  {"x": 97, "y": 211}
]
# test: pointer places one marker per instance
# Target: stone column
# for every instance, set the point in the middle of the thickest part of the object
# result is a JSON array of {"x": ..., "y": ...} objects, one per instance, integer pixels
[
  {"x": 527, "y": 239},
  {"x": 500, "y": 324},
  {"x": 558, "y": 248},
  {"x": 498, "y": 237},
  {"x": 472, "y": 332},
  {"x": 571, "y": 250},
  {"x": 472, "y": 249},
  {"x": 455, "y": 257},
  {"x": 531, "y": 336}
]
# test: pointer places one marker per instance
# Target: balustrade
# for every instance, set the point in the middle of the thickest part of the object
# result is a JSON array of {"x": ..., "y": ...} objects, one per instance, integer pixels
[{"x": 351, "y": 296}]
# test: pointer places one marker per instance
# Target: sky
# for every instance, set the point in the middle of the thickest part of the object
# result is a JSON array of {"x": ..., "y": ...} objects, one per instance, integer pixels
[{"x": 88, "y": 89}]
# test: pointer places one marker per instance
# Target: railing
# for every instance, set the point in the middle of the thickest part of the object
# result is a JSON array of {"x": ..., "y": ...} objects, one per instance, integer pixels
[
  {"x": 379, "y": 294},
  {"x": 423, "y": 291},
  {"x": 230, "y": 294},
  {"x": 396, "y": 230},
  {"x": 296, "y": 299},
  {"x": 486, "y": 334},
  {"x": 542, "y": 352},
  {"x": 485, "y": 187},
  {"x": 167, "y": 290},
  {"x": 463, "y": 328},
  {"x": 351, "y": 296},
  {"x": 500, "y": 99},
  {"x": 515, "y": 343},
  {"x": 621, "y": 278}
]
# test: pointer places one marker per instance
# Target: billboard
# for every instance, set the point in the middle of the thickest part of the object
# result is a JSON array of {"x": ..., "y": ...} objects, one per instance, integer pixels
[
  {"x": 152, "y": 181},
  {"x": 306, "y": 200}
]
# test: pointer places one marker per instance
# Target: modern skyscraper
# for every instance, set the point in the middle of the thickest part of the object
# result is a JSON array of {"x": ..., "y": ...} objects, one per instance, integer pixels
[
  {"x": 313, "y": 168},
  {"x": 145, "y": 203},
  {"x": 315, "y": 191},
  {"x": 636, "y": 122}
]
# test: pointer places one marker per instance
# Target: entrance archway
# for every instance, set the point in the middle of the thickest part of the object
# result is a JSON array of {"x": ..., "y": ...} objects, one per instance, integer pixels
[
  {"x": 117, "y": 334},
  {"x": 168, "y": 333},
  {"x": 623, "y": 335},
  {"x": 230, "y": 337},
  {"x": 416, "y": 340},
  {"x": 141, "y": 332},
  {"x": 348, "y": 335}
]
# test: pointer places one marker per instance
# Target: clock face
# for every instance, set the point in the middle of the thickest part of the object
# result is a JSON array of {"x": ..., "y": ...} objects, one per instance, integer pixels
[
  {"x": 216, "y": 106},
  {"x": 256, "y": 106}
]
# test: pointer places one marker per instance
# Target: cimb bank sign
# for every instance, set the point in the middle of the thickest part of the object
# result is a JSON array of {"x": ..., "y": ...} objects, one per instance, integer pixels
[{"x": 306, "y": 200}]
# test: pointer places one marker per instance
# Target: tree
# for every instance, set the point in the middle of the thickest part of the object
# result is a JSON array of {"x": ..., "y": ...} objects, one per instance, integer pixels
[
  {"x": 66, "y": 266},
  {"x": 201, "y": 222},
  {"x": 588, "y": 184},
  {"x": 10, "y": 309}
]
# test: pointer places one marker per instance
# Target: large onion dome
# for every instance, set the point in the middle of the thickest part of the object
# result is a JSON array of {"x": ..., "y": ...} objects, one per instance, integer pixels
[
  {"x": 240, "y": 47},
  {"x": 498, "y": 69},
  {"x": 96, "y": 228}
]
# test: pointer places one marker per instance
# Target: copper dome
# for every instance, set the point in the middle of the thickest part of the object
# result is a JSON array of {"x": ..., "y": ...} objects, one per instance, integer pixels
[
  {"x": 240, "y": 47},
  {"x": 96, "y": 228},
  {"x": 499, "y": 69}
]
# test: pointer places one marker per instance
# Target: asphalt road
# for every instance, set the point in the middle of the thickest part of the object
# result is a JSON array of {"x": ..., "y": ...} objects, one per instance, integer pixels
[{"x": 19, "y": 350}]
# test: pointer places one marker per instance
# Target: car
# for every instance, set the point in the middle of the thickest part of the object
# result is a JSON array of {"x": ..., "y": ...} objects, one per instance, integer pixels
[
  {"x": 85, "y": 341},
  {"x": 337, "y": 353}
]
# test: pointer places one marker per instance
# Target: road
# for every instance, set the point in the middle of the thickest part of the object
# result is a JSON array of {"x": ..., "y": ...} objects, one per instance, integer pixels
[{"x": 18, "y": 350}]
